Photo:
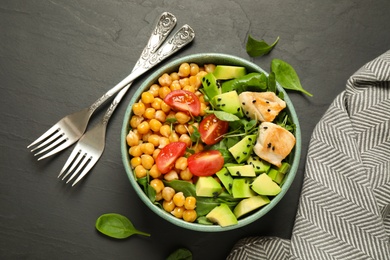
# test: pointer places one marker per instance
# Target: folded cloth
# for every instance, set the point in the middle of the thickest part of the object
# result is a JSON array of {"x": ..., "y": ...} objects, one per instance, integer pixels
[{"x": 344, "y": 208}]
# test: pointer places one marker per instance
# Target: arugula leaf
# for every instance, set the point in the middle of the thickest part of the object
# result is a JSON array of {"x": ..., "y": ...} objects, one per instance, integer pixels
[
  {"x": 195, "y": 136},
  {"x": 116, "y": 226},
  {"x": 257, "y": 48},
  {"x": 286, "y": 75}
]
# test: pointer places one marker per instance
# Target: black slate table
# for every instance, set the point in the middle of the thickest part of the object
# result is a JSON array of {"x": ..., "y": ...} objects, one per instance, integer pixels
[{"x": 57, "y": 57}]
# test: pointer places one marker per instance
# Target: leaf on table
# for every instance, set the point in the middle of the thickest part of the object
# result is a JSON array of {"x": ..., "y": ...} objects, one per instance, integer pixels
[
  {"x": 256, "y": 48},
  {"x": 117, "y": 226}
]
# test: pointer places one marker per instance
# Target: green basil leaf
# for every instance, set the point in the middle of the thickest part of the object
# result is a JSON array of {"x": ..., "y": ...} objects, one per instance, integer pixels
[
  {"x": 286, "y": 75},
  {"x": 180, "y": 254},
  {"x": 256, "y": 48},
  {"x": 224, "y": 116},
  {"x": 116, "y": 226}
]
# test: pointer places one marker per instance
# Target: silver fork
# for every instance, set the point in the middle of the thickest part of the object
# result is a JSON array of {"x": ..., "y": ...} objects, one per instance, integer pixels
[
  {"x": 70, "y": 128},
  {"x": 91, "y": 145}
]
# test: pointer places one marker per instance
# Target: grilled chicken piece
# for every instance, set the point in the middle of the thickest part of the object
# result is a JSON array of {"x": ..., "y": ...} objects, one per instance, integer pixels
[
  {"x": 274, "y": 143},
  {"x": 262, "y": 106}
]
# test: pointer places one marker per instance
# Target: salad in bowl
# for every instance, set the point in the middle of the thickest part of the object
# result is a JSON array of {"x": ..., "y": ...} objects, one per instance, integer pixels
[{"x": 211, "y": 142}]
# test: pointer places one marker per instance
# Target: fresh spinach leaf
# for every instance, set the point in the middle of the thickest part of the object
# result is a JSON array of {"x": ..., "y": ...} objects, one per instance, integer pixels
[
  {"x": 187, "y": 188},
  {"x": 272, "y": 82},
  {"x": 256, "y": 48},
  {"x": 286, "y": 75},
  {"x": 117, "y": 226},
  {"x": 224, "y": 116},
  {"x": 149, "y": 190},
  {"x": 180, "y": 254}
]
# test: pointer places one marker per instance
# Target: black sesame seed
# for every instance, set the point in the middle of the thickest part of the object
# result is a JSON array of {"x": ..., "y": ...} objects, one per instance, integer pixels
[
  {"x": 219, "y": 99},
  {"x": 269, "y": 110},
  {"x": 265, "y": 127},
  {"x": 254, "y": 101},
  {"x": 269, "y": 145},
  {"x": 247, "y": 112},
  {"x": 238, "y": 109},
  {"x": 223, "y": 105},
  {"x": 250, "y": 139},
  {"x": 226, "y": 174},
  {"x": 273, "y": 148},
  {"x": 238, "y": 173},
  {"x": 258, "y": 167},
  {"x": 230, "y": 185},
  {"x": 245, "y": 153},
  {"x": 243, "y": 103},
  {"x": 267, "y": 102}
]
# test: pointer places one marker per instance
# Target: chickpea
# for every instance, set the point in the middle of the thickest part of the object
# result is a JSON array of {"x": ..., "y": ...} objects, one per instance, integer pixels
[
  {"x": 135, "y": 121},
  {"x": 209, "y": 68},
  {"x": 140, "y": 171},
  {"x": 184, "y": 70},
  {"x": 189, "y": 88},
  {"x": 181, "y": 163},
  {"x": 139, "y": 108},
  {"x": 173, "y": 137},
  {"x": 174, "y": 76},
  {"x": 165, "y": 80},
  {"x": 182, "y": 117},
  {"x": 156, "y": 152},
  {"x": 154, "y": 139},
  {"x": 155, "y": 125},
  {"x": 189, "y": 215},
  {"x": 165, "y": 130},
  {"x": 190, "y": 202},
  {"x": 156, "y": 104},
  {"x": 154, "y": 172},
  {"x": 171, "y": 175},
  {"x": 163, "y": 92},
  {"x": 194, "y": 69},
  {"x": 147, "y": 161},
  {"x": 147, "y": 97},
  {"x": 143, "y": 128},
  {"x": 180, "y": 129},
  {"x": 149, "y": 113},
  {"x": 154, "y": 90},
  {"x": 175, "y": 85},
  {"x": 163, "y": 142},
  {"x": 185, "y": 138},
  {"x": 168, "y": 206},
  {"x": 179, "y": 199},
  {"x": 165, "y": 107},
  {"x": 135, "y": 151},
  {"x": 157, "y": 185},
  {"x": 184, "y": 82},
  {"x": 158, "y": 196},
  {"x": 160, "y": 116},
  {"x": 186, "y": 175},
  {"x": 168, "y": 193},
  {"x": 135, "y": 161},
  {"x": 132, "y": 139},
  {"x": 178, "y": 212}
]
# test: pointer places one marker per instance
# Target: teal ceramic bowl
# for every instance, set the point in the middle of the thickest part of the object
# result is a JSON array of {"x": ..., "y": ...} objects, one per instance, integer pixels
[{"x": 200, "y": 59}]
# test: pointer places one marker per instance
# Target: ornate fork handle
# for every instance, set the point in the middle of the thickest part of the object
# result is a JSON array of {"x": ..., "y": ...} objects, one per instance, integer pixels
[
  {"x": 184, "y": 36},
  {"x": 163, "y": 27}
]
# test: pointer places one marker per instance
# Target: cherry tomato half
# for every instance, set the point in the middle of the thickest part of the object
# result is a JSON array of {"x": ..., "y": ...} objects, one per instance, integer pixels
[
  {"x": 211, "y": 129},
  {"x": 205, "y": 163},
  {"x": 168, "y": 155},
  {"x": 184, "y": 101}
]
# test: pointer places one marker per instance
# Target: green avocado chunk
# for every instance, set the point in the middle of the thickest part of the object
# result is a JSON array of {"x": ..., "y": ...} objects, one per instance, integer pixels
[
  {"x": 225, "y": 72},
  {"x": 258, "y": 164},
  {"x": 241, "y": 188},
  {"x": 264, "y": 185},
  {"x": 242, "y": 150},
  {"x": 207, "y": 186},
  {"x": 226, "y": 179},
  {"x": 210, "y": 86},
  {"x": 222, "y": 215},
  {"x": 250, "y": 204},
  {"x": 228, "y": 102},
  {"x": 242, "y": 171}
]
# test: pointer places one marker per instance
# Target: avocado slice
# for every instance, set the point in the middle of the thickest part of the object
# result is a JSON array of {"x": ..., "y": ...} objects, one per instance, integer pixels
[
  {"x": 222, "y": 215},
  {"x": 243, "y": 149},
  {"x": 250, "y": 204},
  {"x": 258, "y": 164},
  {"x": 264, "y": 185},
  {"x": 226, "y": 179},
  {"x": 210, "y": 86},
  {"x": 224, "y": 72},
  {"x": 241, "y": 188},
  {"x": 229, "y": 102},
  {"x": 276, "y": 175},
  {"x": 242, "y": 170},
  {"x": 207, "y": 186}
]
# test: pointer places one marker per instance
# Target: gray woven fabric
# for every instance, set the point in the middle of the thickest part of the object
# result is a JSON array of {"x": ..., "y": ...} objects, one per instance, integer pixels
[{"x": 344, "y": 208}]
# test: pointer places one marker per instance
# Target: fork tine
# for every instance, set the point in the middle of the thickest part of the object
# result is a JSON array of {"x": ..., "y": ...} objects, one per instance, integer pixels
[
  {"x": 57, "y": 149},
  {"x": 85, "y": 160},
  {"x": 44, "y": 135},
  {"x": 53, "y": 145},
  {"x": 55, "y": 135},
  {"x": 87, "y": 168},
  {"x": 71, "y": 163}
]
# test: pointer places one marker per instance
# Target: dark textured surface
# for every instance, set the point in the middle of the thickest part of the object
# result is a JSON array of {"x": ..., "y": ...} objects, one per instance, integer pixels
[{"x": 57, "y": 57}]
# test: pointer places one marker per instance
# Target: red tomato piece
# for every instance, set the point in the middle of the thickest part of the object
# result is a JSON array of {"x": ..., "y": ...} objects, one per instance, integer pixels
[
  {"x": 168, "y": 155},
  {"x": 205, "y": 163},
  {"x": 184, "y": 101},
  {"x": 211, "y": 129}
]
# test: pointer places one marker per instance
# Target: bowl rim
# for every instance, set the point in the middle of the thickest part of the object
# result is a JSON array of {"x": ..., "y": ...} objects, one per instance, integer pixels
[{"x": 200, "y": 59}]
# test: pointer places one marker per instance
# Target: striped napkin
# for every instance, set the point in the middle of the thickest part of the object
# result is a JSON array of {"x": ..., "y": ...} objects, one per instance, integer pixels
[{"x": 344, "y": 209}]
